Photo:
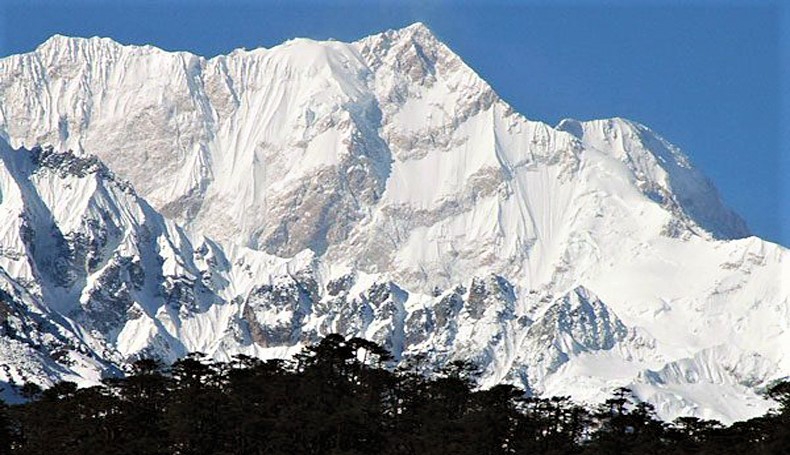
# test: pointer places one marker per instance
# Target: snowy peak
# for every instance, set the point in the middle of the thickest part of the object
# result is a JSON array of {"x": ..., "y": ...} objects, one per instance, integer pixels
[
  {"x": 62, "y": 48},
  {"x": 81, "y": 249},
  {"x": 417, "y": 29},
  {"x": 576, "y": 323},
  {"x": 662, "y": 172},
  {"x": 590, "y": 323},
  {"x": 413, "y": 50},
  {"x": 342, "y": 148},
  {"x": 70, "y": 44},
  {"x": 380, "y": 189},
  {"x": 310, "y": 123},
  {"x": 414, "y": 58}
]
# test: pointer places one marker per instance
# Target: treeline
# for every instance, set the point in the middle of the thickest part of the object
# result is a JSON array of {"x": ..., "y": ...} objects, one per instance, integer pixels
[{"x": 337, "y": 397}]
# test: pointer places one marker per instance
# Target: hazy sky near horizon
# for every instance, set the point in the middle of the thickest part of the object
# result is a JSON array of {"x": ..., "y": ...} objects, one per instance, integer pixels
[{"x": 713, "y": 77}]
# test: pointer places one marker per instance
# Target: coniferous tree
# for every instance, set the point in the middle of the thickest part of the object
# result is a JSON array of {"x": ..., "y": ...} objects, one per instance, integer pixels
[
  {"x": 136, "y": 425},
  {"x": 195, "y": 403}
]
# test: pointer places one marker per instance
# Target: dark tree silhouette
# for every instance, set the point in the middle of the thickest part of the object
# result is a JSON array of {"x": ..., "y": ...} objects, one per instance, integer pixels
[{"x": 344, "y": 396}]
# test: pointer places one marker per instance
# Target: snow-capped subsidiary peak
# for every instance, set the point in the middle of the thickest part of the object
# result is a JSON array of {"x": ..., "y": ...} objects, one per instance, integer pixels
[
  {"x": 378, "y": 188},
  {"x": 576, "y": 323},
  {"x": 663, "y": 172}
]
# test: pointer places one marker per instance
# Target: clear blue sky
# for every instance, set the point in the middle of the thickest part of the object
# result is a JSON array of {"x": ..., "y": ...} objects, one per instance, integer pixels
[{"x": 713, "y": 77}]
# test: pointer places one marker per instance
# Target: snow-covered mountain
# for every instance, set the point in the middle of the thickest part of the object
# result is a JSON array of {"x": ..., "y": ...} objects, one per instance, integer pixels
[{"x": 377, "y": 188}]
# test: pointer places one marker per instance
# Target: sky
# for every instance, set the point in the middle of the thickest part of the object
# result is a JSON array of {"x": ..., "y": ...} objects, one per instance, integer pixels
[{"x": 713, "y": 77}]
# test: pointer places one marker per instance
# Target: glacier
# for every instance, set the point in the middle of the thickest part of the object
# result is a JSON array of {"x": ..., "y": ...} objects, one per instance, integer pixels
[{"x": 157, "y": 203}]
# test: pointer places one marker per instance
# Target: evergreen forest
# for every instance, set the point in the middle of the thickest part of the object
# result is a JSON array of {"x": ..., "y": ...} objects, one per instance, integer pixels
[{"x": 344, "y": 396}]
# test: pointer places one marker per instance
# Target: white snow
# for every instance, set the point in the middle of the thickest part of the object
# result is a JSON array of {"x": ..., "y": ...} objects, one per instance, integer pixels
[{"x": 386, "y": 160}]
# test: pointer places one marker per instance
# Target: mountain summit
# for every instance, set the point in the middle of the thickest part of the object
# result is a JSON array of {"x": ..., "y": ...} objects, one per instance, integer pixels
[{"x": 382, "y": 189}]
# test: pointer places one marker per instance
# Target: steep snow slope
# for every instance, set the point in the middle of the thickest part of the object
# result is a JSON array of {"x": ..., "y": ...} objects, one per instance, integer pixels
[
  {"x": 377, "y": 188},
  {"x": 290, "y": 148}
]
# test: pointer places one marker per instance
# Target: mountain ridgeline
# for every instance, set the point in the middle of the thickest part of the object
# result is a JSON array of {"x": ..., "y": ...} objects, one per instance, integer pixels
[{"x": 154, "y": 204}]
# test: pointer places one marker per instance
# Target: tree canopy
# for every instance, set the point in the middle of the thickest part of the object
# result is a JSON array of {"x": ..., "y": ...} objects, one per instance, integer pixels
[{"x": 342, "y": 396}]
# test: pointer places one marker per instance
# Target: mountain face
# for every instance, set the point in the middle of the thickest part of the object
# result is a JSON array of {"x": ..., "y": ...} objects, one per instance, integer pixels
[{"x": 157, "y": 203}]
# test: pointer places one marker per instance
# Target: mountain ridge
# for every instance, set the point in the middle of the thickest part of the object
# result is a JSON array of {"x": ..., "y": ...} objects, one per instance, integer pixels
[{"x": 381, "y": 189}]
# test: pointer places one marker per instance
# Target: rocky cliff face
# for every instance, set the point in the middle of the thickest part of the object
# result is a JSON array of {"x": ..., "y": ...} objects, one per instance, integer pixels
[{"x": 256, "y": 201}]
